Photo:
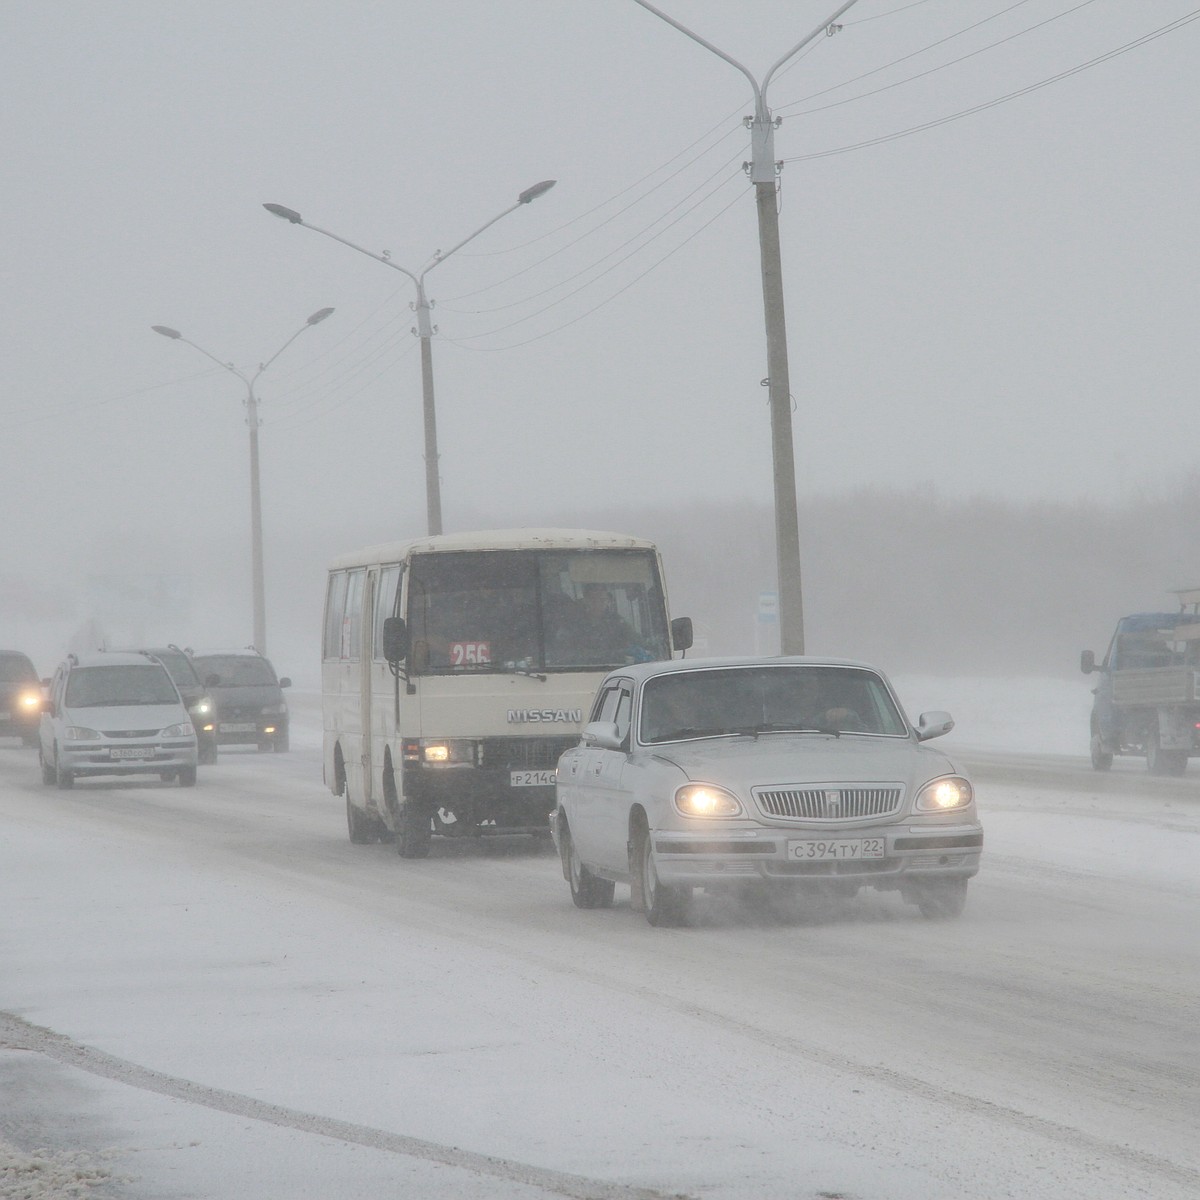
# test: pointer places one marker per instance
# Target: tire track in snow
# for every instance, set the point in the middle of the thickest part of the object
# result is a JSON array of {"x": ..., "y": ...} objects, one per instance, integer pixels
[{"x": 18, "y": 1034}]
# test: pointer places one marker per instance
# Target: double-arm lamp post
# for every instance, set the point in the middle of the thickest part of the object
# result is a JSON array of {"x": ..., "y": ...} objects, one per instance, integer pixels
[
  {"x": 256, "y": 546},
  {"x": 763, "y": 176},
  {"x": 425, "y": 330}
]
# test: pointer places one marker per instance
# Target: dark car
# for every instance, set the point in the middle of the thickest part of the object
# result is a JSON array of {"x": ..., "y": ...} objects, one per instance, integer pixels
[
  {"x": 250, "y": 704},
  {"x": 197, "y": 699},
  {"x": 20, "y": 697}
]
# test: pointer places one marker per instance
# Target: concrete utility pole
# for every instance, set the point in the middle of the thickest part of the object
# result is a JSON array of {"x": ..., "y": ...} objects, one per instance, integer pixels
[
  {"x": 425, "y": 330},
  {"x": 763, "y": 171},
  {"x": 256, "y": 537}
]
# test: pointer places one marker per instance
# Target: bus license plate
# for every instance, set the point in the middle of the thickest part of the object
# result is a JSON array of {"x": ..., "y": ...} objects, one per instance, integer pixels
[
  {"x": 836, "y": 848},
  {"x": 131, "y": 752},
  {"x": 531, "y": 778}
]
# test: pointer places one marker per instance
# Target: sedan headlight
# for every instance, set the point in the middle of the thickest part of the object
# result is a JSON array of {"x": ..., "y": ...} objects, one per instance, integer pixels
[
  {"x": 944, "y": 795},
  {"x": 30, "y": 700},
  {"x": 78, "y": 733},
  {"x": 706, "y": 800},
  {"x": 178, "y": 731}
]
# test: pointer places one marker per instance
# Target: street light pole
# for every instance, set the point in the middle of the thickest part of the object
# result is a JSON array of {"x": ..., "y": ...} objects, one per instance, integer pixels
[
  {"x": 256, "y": 538},
  {"x": 763, "y": 175},
  {"x": 425, "y": 330}
]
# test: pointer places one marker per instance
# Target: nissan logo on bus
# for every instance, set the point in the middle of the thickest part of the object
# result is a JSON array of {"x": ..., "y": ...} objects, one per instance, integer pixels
[{"x": 524, "y": 716}]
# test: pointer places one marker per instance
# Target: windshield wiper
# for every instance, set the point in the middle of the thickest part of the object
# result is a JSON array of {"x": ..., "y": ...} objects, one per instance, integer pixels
[{"x": 523, "y": 666}]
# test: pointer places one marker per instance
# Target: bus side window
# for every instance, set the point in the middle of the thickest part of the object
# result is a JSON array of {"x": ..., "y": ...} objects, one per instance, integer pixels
[
  {"x": 352, "y": 621},
  {"x": 385, "y": 604},
  {"x": 335, "y": 605}
]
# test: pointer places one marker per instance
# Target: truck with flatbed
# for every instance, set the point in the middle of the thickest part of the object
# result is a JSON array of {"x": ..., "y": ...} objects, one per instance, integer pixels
[{"x": 1147, "y": 699}]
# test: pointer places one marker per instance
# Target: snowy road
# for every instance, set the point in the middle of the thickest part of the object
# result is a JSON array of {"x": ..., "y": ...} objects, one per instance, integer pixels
[{"x": 212, "y": 993}]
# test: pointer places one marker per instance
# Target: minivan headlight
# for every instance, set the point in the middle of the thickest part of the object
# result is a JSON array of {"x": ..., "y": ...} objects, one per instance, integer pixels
[
  {"x": 945, "y": 795},
  {"x": 79, "y": 733},
  {"x": 706, "y": 800},
  {"x": 180, "y": 730},
  {"x": 30, "y": 700}
]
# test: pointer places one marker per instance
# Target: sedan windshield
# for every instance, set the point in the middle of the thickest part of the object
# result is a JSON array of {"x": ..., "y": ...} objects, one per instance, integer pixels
[
  {"x": 730, "y": 701},
  {"x": 93, "y": 687}
]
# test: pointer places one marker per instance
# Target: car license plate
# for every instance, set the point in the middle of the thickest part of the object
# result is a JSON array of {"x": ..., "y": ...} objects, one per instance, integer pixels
[
  {"x": 836, "y": 848},
  {"x": 131, "y": 752},
  {"x": 238, "y": 727},
  {"x": 531, "y": 778}
]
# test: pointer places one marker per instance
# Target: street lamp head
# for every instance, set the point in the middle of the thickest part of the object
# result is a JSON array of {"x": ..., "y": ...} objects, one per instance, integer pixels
[
  {"x": 319, "y": 316},
  {"x": 288, "y": 214},
  {"x": 166, "y": 331},
  {"x": 538, "y": 189}
]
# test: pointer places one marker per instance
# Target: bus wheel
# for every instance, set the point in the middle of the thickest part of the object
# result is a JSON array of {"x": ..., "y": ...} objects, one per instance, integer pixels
[
  {"x": 414, "y": 831},
  {"x": 359, "y": 825}
]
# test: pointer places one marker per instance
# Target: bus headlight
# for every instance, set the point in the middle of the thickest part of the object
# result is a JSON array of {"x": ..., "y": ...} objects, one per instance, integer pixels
[{"x": 441, "y": 752}]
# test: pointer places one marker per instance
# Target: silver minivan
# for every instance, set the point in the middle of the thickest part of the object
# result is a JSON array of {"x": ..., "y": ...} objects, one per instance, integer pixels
[{"x": 115, "y": 714}]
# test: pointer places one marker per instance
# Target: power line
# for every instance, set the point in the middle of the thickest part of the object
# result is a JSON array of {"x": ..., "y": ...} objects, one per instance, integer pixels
[
  {"x": 1024, "y": 91},
  {"x": 943, "y": 66},
  {"x": 608, "y": 300}
]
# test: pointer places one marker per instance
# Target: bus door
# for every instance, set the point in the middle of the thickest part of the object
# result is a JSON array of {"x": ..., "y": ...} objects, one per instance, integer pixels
[{"x": 366, "y": 660}]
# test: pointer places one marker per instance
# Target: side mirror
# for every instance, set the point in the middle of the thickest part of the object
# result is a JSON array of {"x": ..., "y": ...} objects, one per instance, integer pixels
[
  {"x": 395, "y": 639},
  {"x": 1087, "y": 662},
  {"x": 212, "y": 680},
  {"x": 602, "y": 734},
  {"x": 285, "y": 682},
  {"x": 681, "y": 633},
  {"x": 933, "y": 724}
]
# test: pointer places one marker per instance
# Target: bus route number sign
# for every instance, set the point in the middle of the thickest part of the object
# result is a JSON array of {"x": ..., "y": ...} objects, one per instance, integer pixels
[{"x": 469, "y": 654}]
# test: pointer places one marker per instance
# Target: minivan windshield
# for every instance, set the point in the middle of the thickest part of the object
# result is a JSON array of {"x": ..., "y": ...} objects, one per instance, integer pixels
[
  {"x": 95, "y": 687},
  {"x": 236, "y": 670}
]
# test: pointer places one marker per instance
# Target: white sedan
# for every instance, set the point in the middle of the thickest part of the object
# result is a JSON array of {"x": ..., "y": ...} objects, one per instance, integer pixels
[{"x": 751, "y": 774}]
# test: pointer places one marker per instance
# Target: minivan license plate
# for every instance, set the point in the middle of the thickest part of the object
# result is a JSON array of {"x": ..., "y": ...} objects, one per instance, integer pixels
[
  {"x": 836, "y": 848},
  {"x": 531, "y": 779},
  {"x": 132, "y": 752}
]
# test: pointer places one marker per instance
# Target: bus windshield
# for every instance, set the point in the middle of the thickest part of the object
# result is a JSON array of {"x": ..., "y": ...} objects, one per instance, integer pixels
[{"x": 562, "y": 610}]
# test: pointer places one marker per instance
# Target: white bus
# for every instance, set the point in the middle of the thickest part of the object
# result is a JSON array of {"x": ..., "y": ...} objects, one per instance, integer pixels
[{"x": 457, "y": 668}]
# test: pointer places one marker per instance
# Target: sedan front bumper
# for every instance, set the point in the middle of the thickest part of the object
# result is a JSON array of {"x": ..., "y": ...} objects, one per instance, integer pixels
[{"x": 884, "y": 857}]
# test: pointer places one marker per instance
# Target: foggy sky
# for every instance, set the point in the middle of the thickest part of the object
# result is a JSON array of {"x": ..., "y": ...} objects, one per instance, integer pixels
[{"x": 1004, "y": 304}]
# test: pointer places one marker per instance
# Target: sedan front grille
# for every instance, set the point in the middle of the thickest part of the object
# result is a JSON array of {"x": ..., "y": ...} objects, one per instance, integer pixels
[{"x": 852, "y": 803}]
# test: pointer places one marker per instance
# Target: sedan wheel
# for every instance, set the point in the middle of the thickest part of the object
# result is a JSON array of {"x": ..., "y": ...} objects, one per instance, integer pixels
[
  {"x": 587, "y": 890},
  {"x": 663, "y": 904},
  {"x": 942, "y": 900}
]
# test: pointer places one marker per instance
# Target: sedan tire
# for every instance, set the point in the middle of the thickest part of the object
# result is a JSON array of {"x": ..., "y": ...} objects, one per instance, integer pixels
[
  {"x": 587, "y": 890},
  {"x": 663, "y": 904},
  {"x": 942, "y": 900}
]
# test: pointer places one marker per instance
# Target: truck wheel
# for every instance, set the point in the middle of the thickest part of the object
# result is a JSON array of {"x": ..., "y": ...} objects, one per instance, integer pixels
[
  {"x": 1101, "y": 758},
  {"x": 1164, "y": 762},
  {"x": 587, "y": 890}
]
